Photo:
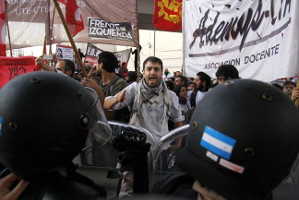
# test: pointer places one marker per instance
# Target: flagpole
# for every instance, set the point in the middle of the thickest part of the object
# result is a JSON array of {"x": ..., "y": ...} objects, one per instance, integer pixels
[
  {"x": 154, "y": 41},
  {"x": 70, "y": 37},
  {"x": 297, "y": 100},
  {"x": 8, "y": 33},
  {"x": 50, "y": 37},
  {"x": 137, "y": 68}
]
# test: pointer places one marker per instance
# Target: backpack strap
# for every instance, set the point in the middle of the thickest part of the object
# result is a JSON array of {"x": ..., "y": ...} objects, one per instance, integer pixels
[{"x": 112, "y": 84}]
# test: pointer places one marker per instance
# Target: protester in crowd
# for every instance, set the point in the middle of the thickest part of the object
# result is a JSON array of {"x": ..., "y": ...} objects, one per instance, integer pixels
[
  {"x": 288, "y": 87},
  {"x": 202, "y": 82},
  {"x": 190, "y": 79},
  {"x": 166, "y": 74},
  {"x": 171, "y": 79},
  {"x": 81, "y": 55},
  {"x": 169, "y": 85},
  {"x": 139, "y": 78},
  {"x": 110, "y": 83},
  {"x": 131, "y": 77},
  {"x": 226, "y": 72},
  {"x": 180, "y": 80},
  {"x": 245, "y": 165},
  {"x": 191, "y": 86},
  {"x": 151, "y": 102},
  {"x": 117, "y": 67},
  {"x": 123, "y": 70},
  {"x": 178, "y": 73},
  {"x": 181, "y": 92},
  {"x": 65, "y": 66},
  {"x": 41, "y": 134}
]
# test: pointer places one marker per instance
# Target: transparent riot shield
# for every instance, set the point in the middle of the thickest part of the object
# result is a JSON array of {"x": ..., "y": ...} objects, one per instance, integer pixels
[
  {"x": 103, "y": 154},
  {"x": 162, "y": 156}
]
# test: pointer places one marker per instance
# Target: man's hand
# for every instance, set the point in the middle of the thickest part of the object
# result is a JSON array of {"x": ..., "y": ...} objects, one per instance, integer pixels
[
  {"x": 92, "y": 71},
  {"x": 121, "y": 96},
  {"x": 87, "y": 82},
  {"x": 40, "y": 61},
  {"x": 5, "y": 183},
  {"x": 90, "y": 83}
]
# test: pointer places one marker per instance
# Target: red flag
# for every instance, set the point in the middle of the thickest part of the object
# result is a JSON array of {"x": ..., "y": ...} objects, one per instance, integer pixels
[
  {"x": 73, "y": 16},
  {"x": 2, "y": 29},
  {"x": 168, "y": 15}
]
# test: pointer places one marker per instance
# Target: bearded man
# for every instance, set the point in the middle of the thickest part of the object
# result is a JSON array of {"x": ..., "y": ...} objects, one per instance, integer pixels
[{"x": 151, "y": 103}]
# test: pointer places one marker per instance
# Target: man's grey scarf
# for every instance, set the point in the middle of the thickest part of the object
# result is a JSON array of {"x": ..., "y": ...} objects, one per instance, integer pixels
[{"x": 151, "y": 95}]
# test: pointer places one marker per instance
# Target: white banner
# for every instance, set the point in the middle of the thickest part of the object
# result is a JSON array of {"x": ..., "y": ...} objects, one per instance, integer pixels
[{"x": 260, "y": 38}]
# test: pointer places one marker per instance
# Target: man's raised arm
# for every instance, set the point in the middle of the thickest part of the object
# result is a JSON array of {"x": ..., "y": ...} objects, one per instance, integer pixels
[{"x": 119, "y": 97}]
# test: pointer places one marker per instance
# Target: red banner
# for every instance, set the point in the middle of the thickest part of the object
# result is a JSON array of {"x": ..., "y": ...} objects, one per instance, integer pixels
[
  {"x": 168, "y": 15},
  {"x": 2, "y": 29},
  {"x": 11, "y": 67}
]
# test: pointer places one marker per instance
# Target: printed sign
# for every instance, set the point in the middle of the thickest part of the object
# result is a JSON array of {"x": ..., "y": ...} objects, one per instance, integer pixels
[
  {"x": 92, "y": 54},
  {"x": 64, "y": 52},
  {"x": 99, "y": 28}
]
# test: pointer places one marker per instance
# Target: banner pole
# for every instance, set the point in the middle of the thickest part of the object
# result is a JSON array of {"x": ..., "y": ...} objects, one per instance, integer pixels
[
  {"x": 70, "y": 37},
  {"x": 8, "y": 33},
  {"x": 154, "y": 41},
  {"x": 297, "y": 100},
  {"x": 50, "y": 37},
  {"x": 138, "y": 59}
]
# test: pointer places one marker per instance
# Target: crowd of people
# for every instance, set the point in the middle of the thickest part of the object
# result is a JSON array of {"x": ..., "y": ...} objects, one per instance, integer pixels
[{"x": 243, "y": 140}]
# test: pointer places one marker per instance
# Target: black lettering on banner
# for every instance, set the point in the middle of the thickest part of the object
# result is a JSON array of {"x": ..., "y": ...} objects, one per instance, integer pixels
[
  {"x": 271, "y": 51},
  {"x": 250, "y": 20},
  {"x": 235, "y": 62},
  {"x": 92, "y": 51},
  {"x": 16, "y": 71},
  {"x": 99, "y": 28}
]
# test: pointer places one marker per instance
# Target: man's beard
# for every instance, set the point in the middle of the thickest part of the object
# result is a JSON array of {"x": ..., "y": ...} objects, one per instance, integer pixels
[
  {"x": 200, "y": 87},
  {"x": 156, "y": 85},
  {"x": 289, "y": 94}
]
